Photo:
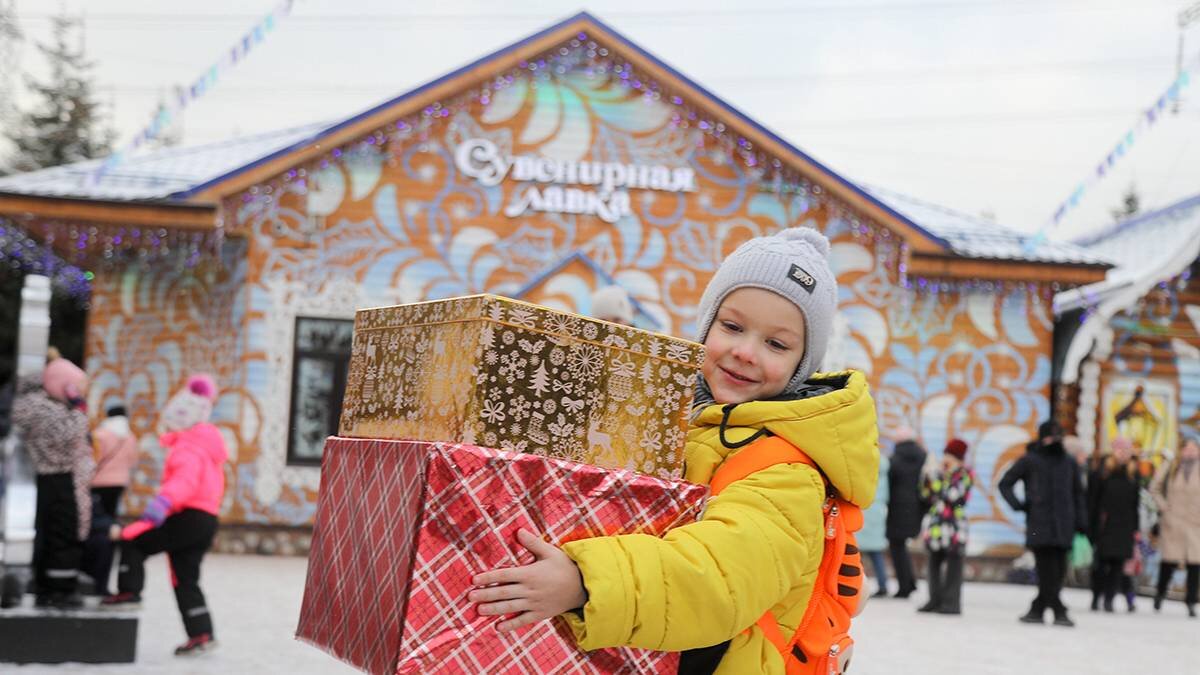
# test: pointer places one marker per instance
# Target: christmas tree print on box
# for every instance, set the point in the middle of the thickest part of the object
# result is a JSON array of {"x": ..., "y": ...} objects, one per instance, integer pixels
[{"x": 506, "y": 374}]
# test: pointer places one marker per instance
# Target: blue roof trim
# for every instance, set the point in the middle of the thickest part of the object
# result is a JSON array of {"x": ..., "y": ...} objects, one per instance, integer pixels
[
  {"x": 1096, "y": 238},
  {"x": 390, "y": 102},
  {"x": 595, "y": 268},
  {"x": 581, "y": 16},
  {"x": 775, "y": 137}
]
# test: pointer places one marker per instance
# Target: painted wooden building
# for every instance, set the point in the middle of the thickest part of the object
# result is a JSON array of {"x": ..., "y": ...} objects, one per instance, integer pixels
[
  {"x": 1130, "y": 353},
  {"x": 570, "y": 160}
]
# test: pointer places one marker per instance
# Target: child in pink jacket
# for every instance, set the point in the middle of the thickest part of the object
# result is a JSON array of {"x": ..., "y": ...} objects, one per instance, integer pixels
[{"x": 182, "y": 518}]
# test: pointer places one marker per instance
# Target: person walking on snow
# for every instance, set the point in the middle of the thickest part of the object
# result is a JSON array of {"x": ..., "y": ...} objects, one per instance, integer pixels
[
  {"x": 116, "y": 453},
  {"x": 181, "y": 520},
  {"x": 1176, "y": 491},
  {"x": 872, "y": 539},
  {"x": 904, "y": 506},
  {"x": 1113, "y": 501},
  {"x": 947, "y": 489},
  {"x": 1055, "y": 509}
]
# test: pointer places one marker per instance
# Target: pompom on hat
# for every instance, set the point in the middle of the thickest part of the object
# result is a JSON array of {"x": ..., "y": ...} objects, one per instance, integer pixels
[
  {"x": 794, "y": 264},
  {"x": 612, "y": 303},
  {"x": 191, "y": 405}
]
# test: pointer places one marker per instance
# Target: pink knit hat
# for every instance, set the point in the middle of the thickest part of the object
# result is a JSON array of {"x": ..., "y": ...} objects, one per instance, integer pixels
[
  {"x": 1122, "y": 443},
  {"x": 191, "y": 405},
  {"x": 64, "y": 380}
]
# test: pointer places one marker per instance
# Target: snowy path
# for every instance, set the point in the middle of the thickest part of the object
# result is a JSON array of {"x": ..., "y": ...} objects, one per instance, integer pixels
[
  {"x": 256, "y": 601},
  {"x": 987, "y": 639}
]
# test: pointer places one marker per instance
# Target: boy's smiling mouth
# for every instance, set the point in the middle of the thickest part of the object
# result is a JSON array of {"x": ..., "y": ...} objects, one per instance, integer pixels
[{"x": 736, "y": 377}]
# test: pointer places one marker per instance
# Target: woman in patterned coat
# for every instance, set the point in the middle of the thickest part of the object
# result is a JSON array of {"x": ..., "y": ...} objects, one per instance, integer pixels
[{"x": 946, "y": 491}]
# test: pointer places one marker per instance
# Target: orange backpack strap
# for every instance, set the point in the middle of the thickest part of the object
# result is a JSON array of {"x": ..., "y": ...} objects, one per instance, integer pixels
[
  {"x": 814, "y": 648},
  {"x": 759, "y": 455}
]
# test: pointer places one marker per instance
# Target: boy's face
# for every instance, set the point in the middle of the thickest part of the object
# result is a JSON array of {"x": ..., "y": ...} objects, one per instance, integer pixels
[{"x": 753, "y": 347}]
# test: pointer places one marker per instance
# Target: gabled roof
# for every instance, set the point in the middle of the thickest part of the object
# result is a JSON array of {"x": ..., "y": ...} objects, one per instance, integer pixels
[
  {"x": 975, "y": 237},
  {"x": 252, "y": 160},
  {"x": 1148, "y": 250},
  {"x": 161, "y": 175},
  {"x": 203, "y": 175},
  {"x": 1145, "y": 243}
]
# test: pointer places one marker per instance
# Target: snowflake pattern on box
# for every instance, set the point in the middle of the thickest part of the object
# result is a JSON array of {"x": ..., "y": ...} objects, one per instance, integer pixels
[{"x": 507, "y": 374}]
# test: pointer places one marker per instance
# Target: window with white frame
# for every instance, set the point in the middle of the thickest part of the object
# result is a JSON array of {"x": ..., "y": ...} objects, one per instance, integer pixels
[{"x": 320, "y": 359}]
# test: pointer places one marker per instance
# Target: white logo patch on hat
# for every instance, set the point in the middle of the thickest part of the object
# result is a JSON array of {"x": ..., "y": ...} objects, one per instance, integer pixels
[{"x": 806, "y": 280}]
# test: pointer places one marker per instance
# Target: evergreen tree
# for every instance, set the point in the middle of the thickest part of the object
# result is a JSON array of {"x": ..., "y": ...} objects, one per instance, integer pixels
[
  {"x": 10, "y": 49},
  {"x": 540, "y": 383},
  {"x": 64, "y": 125}
]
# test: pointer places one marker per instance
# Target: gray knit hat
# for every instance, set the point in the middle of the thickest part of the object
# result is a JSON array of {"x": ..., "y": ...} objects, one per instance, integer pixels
[{"x": 793, "y": 263}]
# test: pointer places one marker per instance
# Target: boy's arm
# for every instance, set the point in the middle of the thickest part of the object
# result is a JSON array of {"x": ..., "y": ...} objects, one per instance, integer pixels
[{"x": 705, "y": 582}]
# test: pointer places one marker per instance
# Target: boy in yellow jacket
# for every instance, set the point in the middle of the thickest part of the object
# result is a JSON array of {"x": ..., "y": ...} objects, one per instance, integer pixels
[{"x": 765, "y": 320}]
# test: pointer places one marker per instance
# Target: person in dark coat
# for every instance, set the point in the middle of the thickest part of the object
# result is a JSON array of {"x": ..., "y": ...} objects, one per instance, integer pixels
[
  {"x": 905, "y": 509},
  {"x": 1113, "y": 498},
  {"x": 1055, "y": 509}
]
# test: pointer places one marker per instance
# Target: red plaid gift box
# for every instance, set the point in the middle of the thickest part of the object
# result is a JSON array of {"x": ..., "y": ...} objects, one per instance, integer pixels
[{"x": 403, "y": 526}]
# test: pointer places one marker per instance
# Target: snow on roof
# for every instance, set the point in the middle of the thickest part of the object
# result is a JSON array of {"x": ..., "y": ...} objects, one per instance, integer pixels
[
  {"x": 977, "y": 237},
  {"x": 156, "y": 175},
  {"x": 1147, "y": 249},
  {"x": 1144, "y": 243}
]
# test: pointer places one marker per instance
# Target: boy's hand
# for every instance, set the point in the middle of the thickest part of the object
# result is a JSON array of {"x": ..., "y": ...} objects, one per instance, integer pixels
[{"x": 546, "y": 588}]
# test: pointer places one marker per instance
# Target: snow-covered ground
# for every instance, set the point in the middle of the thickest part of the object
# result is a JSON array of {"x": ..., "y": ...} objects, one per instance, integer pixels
[
  {"x": 256, "y": 601},
  {"x": 986, "y": 639}
]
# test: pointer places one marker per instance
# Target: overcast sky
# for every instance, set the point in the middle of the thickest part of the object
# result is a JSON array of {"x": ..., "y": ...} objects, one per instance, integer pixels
[{"x": 986, "y": 106}]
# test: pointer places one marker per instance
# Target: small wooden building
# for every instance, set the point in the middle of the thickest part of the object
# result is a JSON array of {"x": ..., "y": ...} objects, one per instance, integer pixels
[
  {"x": 569, "y": 160},
  {"x": 1130, "y": 347}
]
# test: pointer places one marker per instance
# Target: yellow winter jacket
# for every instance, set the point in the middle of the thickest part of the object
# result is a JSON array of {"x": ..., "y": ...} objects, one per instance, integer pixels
[{"x": 757, "y": 547}]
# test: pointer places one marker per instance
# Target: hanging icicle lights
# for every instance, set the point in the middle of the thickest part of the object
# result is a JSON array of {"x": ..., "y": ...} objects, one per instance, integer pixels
[
  {"x": 101, "y": 245},
  {"x": 25, "y": 256},
  {"x": 586, "y": 55}
]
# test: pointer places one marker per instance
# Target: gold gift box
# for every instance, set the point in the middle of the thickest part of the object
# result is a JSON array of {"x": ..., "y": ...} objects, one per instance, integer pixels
[{"x": 507, "y": 374}]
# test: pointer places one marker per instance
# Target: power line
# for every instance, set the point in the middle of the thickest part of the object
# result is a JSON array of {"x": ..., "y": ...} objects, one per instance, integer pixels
[
  {"x": 1021, "y": 163},
  {"x": 918, "y": 74},
  {"x": 1037, "y": 117},
  {"x": 1043, "y": 6}
]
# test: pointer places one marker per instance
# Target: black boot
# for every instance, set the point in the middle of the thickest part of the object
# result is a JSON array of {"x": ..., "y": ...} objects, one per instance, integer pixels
[
  {"x": 1033, "y": 616},
  {"x": 927, "y": 607},
  {"x": 1108, "y": 605},
  {"x": 1061, "y": 618},
  {"x": 1158, "y": 600},
  {"x": 1095, "y": 602},
  {"x": 1192, "y": 611}
]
